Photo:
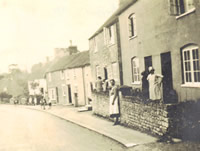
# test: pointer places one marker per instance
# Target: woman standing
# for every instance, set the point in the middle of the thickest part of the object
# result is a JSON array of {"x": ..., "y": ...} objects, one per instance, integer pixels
[
  {"x": 114, "y": 102},
  {"x": 155, "y": 81}
]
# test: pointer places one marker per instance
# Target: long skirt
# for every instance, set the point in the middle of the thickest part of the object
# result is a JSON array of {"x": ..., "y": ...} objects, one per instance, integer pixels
[{"x": 114, "y": 109}]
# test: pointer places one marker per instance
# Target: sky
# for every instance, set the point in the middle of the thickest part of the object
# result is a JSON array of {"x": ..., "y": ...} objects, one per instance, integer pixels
[{"x": 31, "y": 29}]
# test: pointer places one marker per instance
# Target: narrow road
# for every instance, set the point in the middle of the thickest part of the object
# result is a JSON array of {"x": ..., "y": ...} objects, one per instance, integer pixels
[{"x": 28, "y": 130}]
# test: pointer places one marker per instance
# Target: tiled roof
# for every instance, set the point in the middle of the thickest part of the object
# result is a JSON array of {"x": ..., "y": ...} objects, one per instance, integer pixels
[
  {"x": 114, "y": 16},
  {"x": 73, "y": 61}
]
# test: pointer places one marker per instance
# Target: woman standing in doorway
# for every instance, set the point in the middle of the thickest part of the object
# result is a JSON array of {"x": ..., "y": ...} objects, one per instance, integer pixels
[
  {"x": 114, "y": 102},
  {"x": 155, "y": 81}
]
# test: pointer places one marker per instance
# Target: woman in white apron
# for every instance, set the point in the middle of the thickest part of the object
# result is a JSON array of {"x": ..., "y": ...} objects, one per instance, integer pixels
[
  {"x": 155, "y": 85},
  {"x": 114, "y": 102}
]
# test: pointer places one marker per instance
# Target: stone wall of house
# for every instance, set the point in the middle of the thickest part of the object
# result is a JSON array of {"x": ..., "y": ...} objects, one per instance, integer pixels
[{"x": 178, "y": 120}]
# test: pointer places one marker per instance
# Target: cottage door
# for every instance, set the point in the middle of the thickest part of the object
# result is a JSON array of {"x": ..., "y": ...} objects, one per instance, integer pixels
[
  {"x": 147, "y": 63},
  {"x": 69, "y": 93},
  {"x": 167, "y": 79}
]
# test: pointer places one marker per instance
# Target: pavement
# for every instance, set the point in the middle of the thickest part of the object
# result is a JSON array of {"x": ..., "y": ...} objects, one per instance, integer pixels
[{"x": 123, "y": 135}]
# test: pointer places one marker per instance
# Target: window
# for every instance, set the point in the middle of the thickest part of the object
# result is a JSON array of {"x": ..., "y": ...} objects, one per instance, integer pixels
[
  {"x": 191, "y": 65},
  {"x": 111, "y": 34},
  {"x": 132, "y": 25},
  {"x": 74, "y": 71},
  {"x": 178, "y": 7},
  {"x": 61, "y": 75},
  {"x": 109, "y": 38},
  {"x": 114, "y": 71},
  {"x": 97, "y": 71},
  {"x": 64, "y": 90},
  {"x": 67, "y": 74},
  {"x": 52, "y": 94},
  {"x": 95, "y": 44},
  {"x": 49, "y": 77},
  {"x": 135, "y": 70}
]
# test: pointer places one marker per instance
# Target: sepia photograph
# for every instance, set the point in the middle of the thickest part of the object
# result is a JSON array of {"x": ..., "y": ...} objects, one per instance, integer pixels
[{"x": 99, "y": 75}]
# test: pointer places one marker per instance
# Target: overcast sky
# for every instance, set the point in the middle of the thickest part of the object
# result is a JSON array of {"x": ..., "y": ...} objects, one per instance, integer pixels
[{"x": 31, "y": 29}]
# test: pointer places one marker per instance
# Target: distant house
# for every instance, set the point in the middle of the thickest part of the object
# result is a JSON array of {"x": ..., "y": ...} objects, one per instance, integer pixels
[
  {"x": 67, "y": 79},
  {"x": 165, "y": 35},
  {"x": 37, "y": 87},
  {"x": 105, "y": 51}
]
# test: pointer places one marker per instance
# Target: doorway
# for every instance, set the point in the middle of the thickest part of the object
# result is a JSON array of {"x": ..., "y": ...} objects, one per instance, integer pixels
[
  {"x": 145, "y": 83},
  {"x": 147, "y": 62},
  {"x": 69, "y": 93},
  {"x": 168, "y": 92}
]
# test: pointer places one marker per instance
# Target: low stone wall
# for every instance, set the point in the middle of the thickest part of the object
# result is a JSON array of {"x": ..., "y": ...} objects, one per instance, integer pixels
[
  {"x": 185, "y": 120},
  {"x": 178, "y": 120}
]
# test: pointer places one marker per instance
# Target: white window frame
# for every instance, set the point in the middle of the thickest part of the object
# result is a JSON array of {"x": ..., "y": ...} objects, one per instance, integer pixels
[
  {"x": 62, "y": 75},
  {"x": 64, "y": 89},
  {"x": 115, "y": 71},
  {"x": 111, "y": 35},
  {"x": 49, "y": 77},
  {"x": 181, "y": 8},
  {"x": 67, "y": 74},
  {"x": 132, "y": 26},
  {"x": 97, "y": 71},
  {"x": 95, "y": 44},
  {"x": 135, "y": 71},
  {"x": 74, "y": 72},
  {"x": 188, "y": 51}
]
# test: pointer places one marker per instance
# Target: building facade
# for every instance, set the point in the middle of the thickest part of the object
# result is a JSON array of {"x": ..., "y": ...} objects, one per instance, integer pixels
[
  {"x": 68, "y": 80},
  {"x": 165, "y": 35},
  {"x": 105, "y": 56},
  {"x": 78, "y": 85}
]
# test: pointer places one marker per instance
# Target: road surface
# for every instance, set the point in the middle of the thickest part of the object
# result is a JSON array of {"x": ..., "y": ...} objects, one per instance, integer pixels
[{"x": 23, "y": 129}]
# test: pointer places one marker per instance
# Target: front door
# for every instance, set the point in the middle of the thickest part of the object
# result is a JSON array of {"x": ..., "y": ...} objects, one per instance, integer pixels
[
  {"x": 145, "y": 83},
  {"x": 69, "y": 93},
  {"x": 168, "y": 92}
]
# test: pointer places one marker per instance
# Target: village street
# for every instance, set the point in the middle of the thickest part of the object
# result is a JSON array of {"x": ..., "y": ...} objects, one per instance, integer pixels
[{"x": 27, "y": 130}]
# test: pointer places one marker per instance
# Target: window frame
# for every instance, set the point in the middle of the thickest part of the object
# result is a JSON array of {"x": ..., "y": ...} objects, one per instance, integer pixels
[
  {"x": 62, "y": 75},
  {"x": 49, "y": 77},
  {"x": 189, "y": 50},
  {"x": 63, "y": 90},
  {"x": 135, "y": 61},
  {"x": 95, "y": 44},
  {"x": 132, "y": 26},
  {"x": 97, "y": 71},
  {"x": 180, "y": 8}
]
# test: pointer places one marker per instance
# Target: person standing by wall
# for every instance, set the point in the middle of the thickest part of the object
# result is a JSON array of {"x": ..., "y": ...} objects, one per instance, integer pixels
[
  {"x": 145, "y": 84},
  {"x": 99, "y": 84},
  {"x": 155, "y": 85},
  {"x": 114, "y": 102}
]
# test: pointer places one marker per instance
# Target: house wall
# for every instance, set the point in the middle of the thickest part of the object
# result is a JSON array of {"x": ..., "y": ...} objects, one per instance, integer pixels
[
  {"x": 56, "y": 84},
  {"x": 159, "y": 32},
  {"x": 79, "y": 81},
  {"x": 41, "y": 85},
  {"x": 105, "y": 56}
]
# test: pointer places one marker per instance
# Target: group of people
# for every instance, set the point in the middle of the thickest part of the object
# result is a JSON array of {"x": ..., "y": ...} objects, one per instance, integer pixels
[
  {"x": 151, "y": 84},
  {"x": 114, "y": 108},
  {"x": 43, "y": 101}
]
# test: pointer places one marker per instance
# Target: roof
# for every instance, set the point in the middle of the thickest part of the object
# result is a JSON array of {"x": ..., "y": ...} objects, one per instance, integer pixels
[
  {"x": 76, "y": 60},
  {"x": 114, "y": 17}
]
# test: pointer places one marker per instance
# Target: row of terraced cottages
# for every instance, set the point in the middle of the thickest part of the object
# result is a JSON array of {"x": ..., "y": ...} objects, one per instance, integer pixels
[
  {"x": 162, "y": 34},
  {"x": 68, "y": 79}
]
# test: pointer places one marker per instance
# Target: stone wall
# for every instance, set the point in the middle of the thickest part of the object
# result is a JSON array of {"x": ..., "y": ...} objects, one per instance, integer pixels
[{"x": 178, "y": 120}]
